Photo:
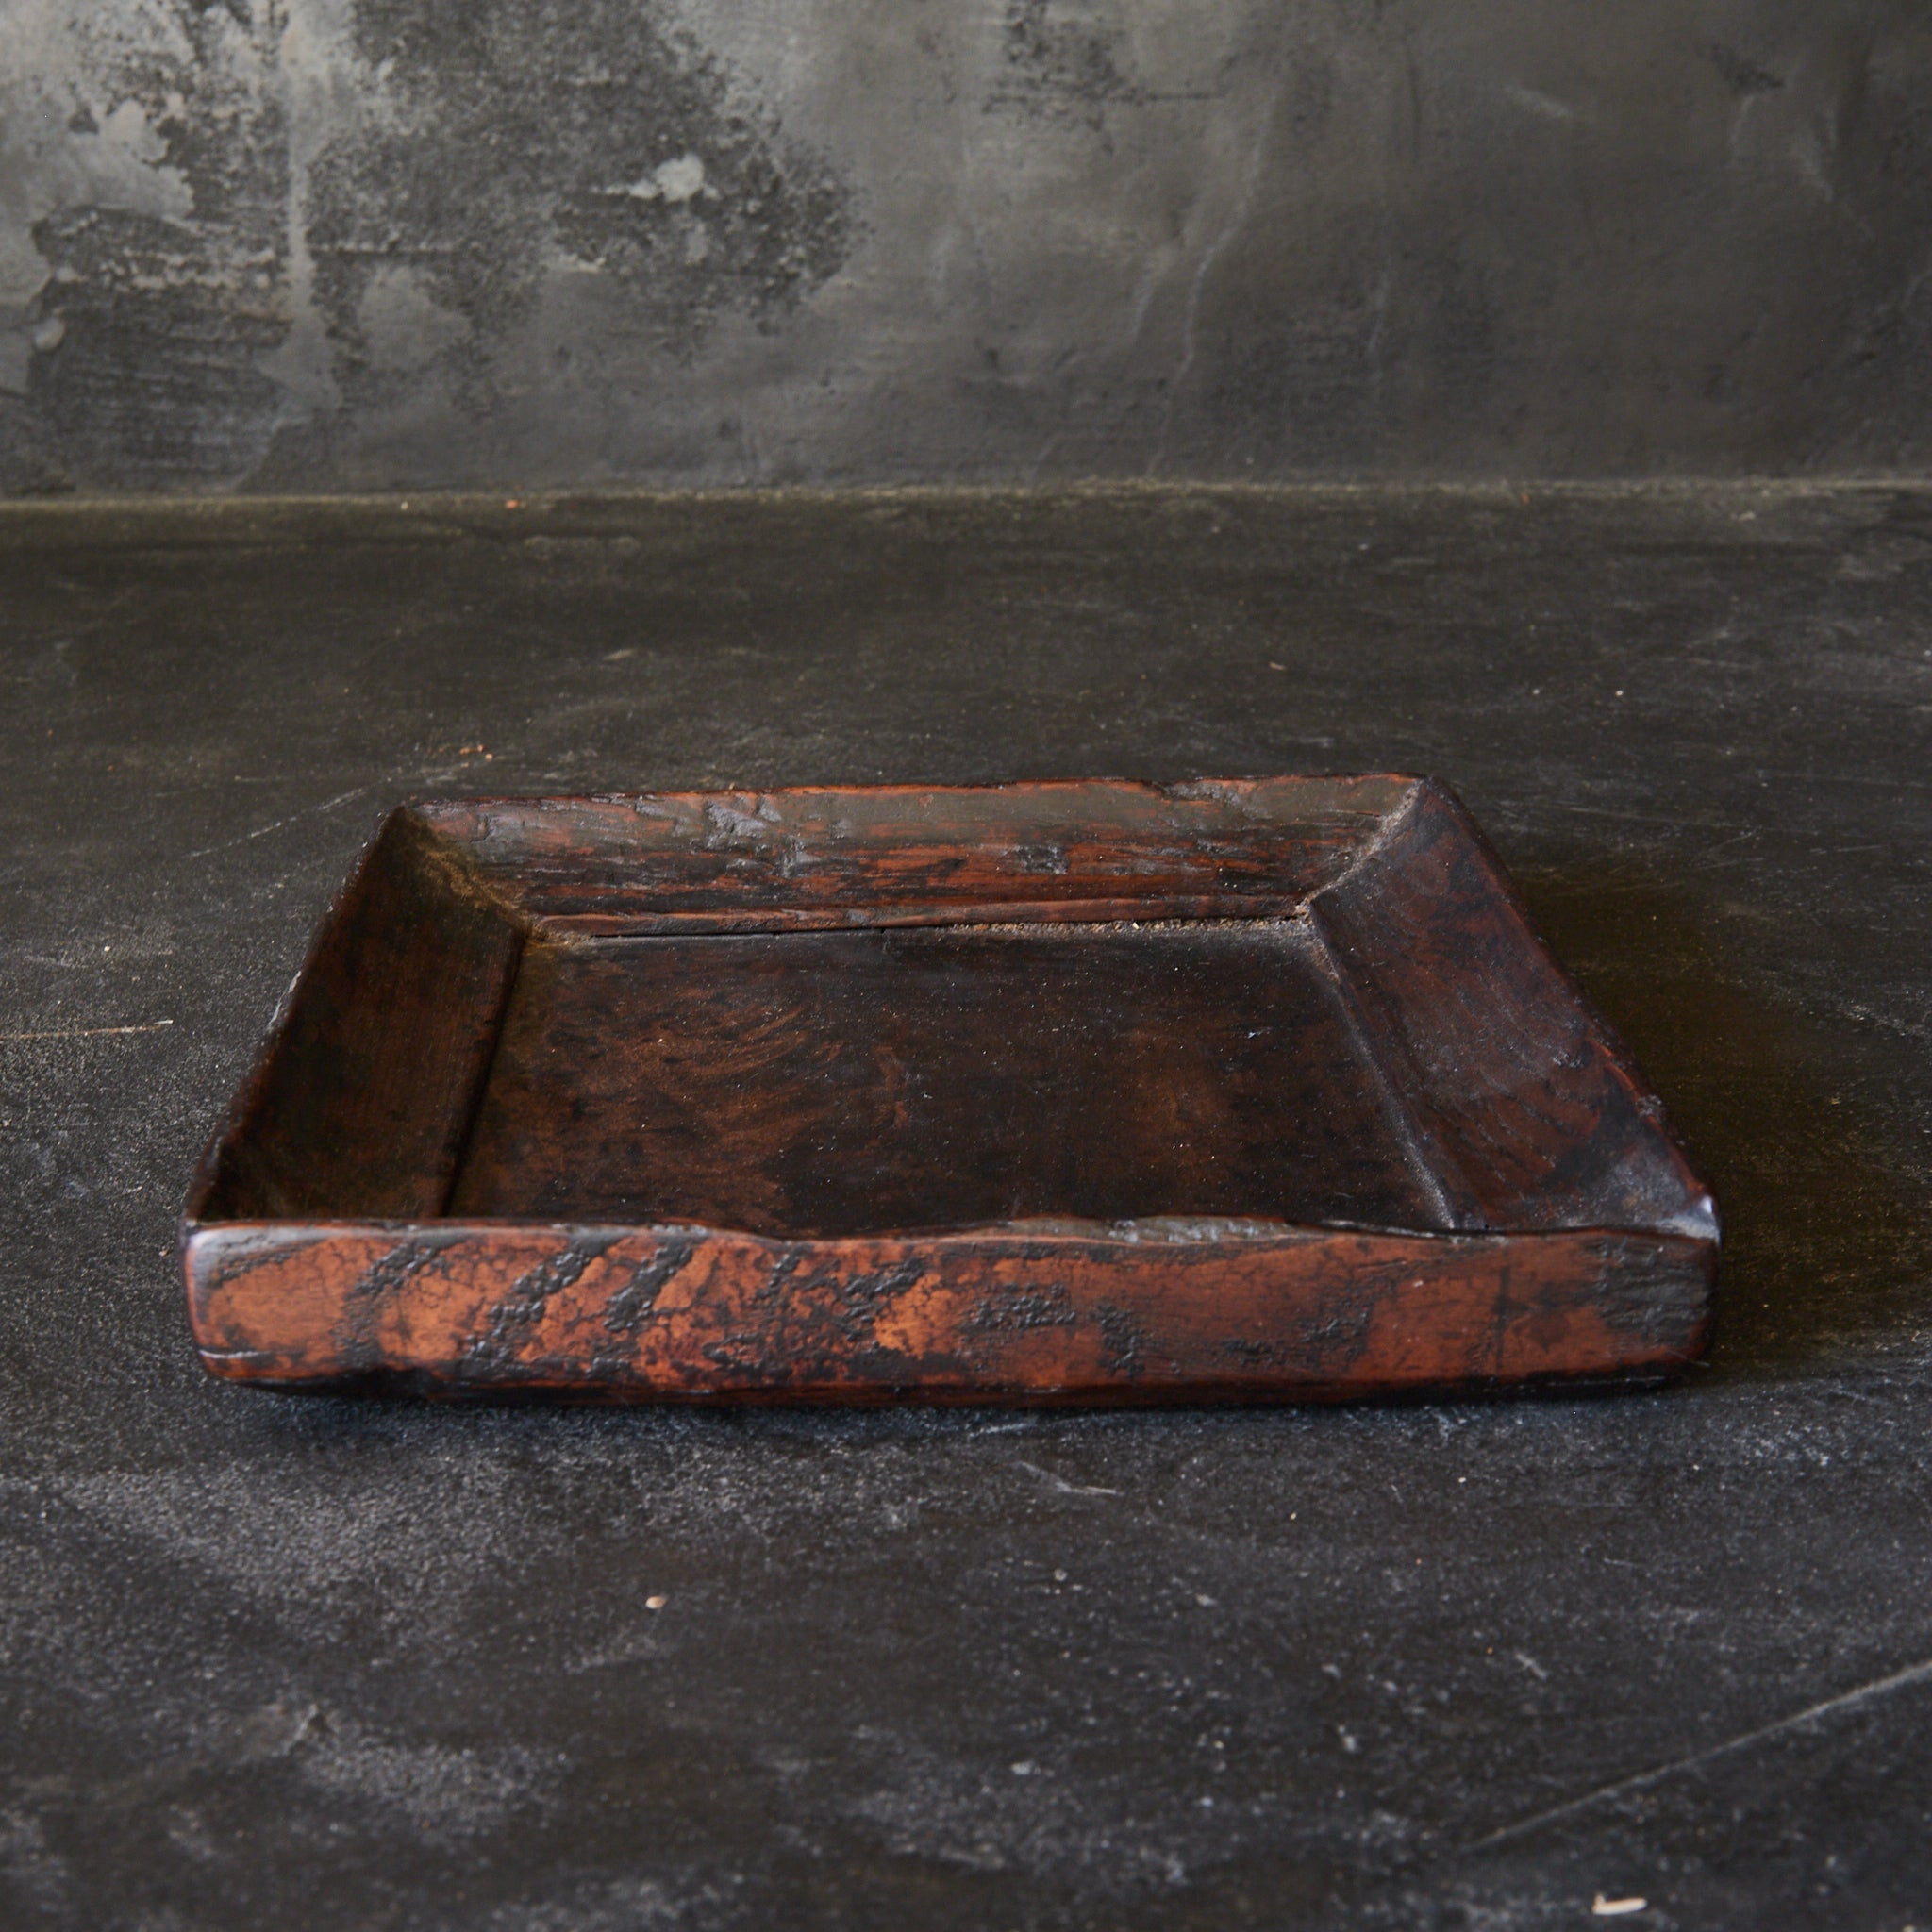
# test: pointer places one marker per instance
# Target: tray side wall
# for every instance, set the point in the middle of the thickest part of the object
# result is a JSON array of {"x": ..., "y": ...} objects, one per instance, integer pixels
[
  {"x": 1532, "y": 1114},
  {"x": 698, "y": 1315},
  {"x": 360, "y": 1099},
  {"x": 814, "y": 856}
]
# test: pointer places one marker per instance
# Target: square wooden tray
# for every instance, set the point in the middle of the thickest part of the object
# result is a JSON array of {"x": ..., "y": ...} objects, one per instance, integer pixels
[{"x": 1082, "y": 1091}]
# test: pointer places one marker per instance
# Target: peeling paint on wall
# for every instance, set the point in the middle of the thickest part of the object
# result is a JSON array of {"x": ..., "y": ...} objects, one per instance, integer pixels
[
  {"x": 390, "y": 190},
  {"x": 510, "y": 144},
  {"x": 141, "y": 257},
  {"x": 358, "y": 244}
]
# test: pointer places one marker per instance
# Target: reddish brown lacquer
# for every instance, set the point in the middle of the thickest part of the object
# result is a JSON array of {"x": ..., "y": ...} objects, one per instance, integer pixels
[{"x": 1088, "y": 1091}]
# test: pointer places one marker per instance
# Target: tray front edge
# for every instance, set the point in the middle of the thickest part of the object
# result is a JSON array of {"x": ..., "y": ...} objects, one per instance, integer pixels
[{"x": 995, "y": 1315}]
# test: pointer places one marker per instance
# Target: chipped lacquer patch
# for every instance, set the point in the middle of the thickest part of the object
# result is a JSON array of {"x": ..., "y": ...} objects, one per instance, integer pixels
[{"x": 1091, "y": 1091}]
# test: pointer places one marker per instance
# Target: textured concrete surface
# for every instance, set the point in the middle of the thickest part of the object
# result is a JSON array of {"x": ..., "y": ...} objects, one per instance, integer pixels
[
  {"x": 267, "y": 1661},
  {"x": 317, "y": 245}
]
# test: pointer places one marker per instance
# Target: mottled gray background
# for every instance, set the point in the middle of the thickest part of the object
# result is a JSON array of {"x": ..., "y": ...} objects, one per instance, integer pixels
[{"x": 343, "y": 245}]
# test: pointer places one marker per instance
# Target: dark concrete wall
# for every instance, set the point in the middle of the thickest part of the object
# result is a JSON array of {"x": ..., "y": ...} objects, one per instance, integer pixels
[{"x": 322, "y": 244}]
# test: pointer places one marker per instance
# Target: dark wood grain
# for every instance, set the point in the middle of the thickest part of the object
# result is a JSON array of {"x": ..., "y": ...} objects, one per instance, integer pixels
[
  {"x": 840, "y": 1083},
  {"x": 1530, "y": 1112},
  {"x": 361, "y": 1099},
  {"x": 902, "y": 854},
  {"x": 1133, "y": 1313},
  {"x": 1102, "y": 1091}
]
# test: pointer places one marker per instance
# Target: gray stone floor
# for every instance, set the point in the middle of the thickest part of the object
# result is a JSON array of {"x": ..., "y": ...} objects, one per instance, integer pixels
[{"x": 270, "y": 1661}]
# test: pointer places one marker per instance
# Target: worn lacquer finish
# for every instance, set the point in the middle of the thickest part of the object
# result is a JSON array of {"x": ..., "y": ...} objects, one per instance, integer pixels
[
  {"x": 1109, "y": 1312},
  {"x": 1091, "y": 1091}
]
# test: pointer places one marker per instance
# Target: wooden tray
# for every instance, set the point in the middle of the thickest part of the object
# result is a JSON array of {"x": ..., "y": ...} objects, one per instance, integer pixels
[{"x": 1026, "y": 1093}]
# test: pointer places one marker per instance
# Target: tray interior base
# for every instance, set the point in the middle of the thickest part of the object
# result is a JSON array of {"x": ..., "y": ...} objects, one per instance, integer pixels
[{"x": 839, "y": 1083}]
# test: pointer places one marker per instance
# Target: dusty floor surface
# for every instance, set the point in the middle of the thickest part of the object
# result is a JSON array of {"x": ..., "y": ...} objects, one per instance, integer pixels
[{"x": 270, "y": 1661}]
